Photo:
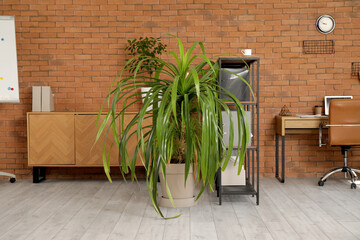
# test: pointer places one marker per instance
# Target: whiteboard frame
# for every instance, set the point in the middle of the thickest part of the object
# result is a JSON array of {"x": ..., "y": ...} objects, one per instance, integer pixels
[{"x": 7, "y": 18}]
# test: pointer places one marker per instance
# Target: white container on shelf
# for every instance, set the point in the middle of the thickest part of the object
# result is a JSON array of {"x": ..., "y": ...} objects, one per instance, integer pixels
[
  {"x": 230, "y": 177},
  {"x": 226, "y": 127}
]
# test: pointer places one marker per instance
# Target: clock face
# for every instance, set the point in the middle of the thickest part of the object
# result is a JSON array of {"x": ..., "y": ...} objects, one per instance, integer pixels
[{"x": 325, "y": 24}]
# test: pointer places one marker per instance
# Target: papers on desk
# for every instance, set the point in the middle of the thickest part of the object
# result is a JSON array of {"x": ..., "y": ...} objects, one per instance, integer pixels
[{"x": 309, "y": 116}]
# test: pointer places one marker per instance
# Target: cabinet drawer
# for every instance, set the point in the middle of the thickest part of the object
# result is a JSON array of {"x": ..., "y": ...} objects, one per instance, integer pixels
[
  {"x": 51, "y": 140},
  {"x": 132, "y": 142},
  {"x": 88, "y": 154}
]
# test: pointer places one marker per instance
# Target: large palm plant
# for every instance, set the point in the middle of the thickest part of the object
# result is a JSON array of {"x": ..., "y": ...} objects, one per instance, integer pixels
[{"x": 186, "y": 119}]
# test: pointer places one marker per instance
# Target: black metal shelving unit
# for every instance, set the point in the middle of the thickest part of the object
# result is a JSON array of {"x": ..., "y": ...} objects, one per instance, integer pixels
[{"x": 251, "y": 163}]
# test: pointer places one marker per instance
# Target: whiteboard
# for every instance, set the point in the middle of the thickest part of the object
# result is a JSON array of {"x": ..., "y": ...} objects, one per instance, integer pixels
[{"x": 9, "y": 83}]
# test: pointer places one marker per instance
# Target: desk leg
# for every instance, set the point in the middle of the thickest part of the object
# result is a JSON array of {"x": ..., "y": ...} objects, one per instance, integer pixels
[
  {"x": 277, "y": 156},
  {"x": 283, "y": 158},
  {"x": 282, "y": 179}
]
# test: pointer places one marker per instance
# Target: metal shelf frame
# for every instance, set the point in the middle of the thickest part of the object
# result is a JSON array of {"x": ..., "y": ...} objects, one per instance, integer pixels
[{"x": 251, "y": 163}]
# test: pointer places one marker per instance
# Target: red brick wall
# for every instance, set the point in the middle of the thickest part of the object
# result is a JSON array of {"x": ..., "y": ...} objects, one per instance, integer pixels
[{"x": 76, "y": 47}]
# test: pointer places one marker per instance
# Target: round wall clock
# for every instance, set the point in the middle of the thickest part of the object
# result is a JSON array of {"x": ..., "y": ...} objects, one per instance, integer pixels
[{"x": 325, "y": 24}]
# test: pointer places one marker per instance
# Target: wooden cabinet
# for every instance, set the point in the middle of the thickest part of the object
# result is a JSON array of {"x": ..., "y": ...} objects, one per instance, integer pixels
[
  {"x": 88, "y": 154},
  {"x": 133, "y": 139},
  {"x": 52, "y": 139},
  {"x": 67, "y": 139}
]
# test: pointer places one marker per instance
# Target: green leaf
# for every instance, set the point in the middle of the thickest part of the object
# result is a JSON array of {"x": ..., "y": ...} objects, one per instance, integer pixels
[
  {"x": 188, "y": 138},
  {"x": 196, "y": 80},
  {"x": 174, "y": 96}
]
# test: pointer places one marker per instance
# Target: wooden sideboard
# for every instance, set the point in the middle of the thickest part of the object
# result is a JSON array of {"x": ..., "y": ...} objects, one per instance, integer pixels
[{"x": 66, "y": 139}]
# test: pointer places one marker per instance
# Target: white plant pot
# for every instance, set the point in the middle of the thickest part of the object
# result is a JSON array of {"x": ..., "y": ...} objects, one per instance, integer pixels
[
  {"x": 183, "y": 196},
  {"x": 144, "y": 91}
]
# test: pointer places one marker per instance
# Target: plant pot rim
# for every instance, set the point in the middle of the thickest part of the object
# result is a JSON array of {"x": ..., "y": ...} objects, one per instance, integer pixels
[{"x": 177, "y": 168}]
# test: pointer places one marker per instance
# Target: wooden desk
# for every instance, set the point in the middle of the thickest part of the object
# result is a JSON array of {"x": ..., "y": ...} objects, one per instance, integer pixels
[{"x": 293, "y": 125}]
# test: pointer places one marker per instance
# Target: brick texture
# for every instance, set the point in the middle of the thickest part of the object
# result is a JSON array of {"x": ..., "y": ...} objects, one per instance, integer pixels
[{"x": 76, "y": 47}]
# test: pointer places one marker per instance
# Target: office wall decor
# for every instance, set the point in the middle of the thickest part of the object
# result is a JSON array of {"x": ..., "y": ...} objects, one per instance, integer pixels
[
  {"x": 355, "y": 69},
  {"x": 9, "y": 86},
  {"x": 325, "y": 24},
  {"x": 318, "y": 46}
]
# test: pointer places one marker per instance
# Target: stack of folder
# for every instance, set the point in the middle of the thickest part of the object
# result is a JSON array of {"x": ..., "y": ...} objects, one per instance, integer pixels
[{"x": 42, "y": 99}]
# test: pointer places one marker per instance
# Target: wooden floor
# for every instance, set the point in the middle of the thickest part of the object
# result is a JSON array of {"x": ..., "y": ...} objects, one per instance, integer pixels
[{"x": 95, "y": 209}]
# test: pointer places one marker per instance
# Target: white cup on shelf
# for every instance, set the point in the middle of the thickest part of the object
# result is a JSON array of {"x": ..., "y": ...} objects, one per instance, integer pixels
[{"x": 246, "y": 52}]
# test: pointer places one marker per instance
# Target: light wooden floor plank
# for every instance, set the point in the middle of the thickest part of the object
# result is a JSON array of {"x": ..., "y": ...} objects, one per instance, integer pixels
[
  {"x": 31, "y": 220},
  {"x": 275, "y": 220},
  {"x": 27, "y": 204},
  {"x": 346, "y": 197},
  {"x": 320, "y": 196},
  {"x": 332, "y": 228},
  {"x": 202, "y": 225},
  {"x": 99, "y": 210},
  {"x": 128, "y": 225},
  {"x": 226, "y": 222},
  {"x": 151, "y": 226},
  {"x": 10, "y": 189},
  {"x": 252, "y": 224},
  {"x": 63, "y": 215},
  {"x": 80, "y": 222},
  {"x": 19, "y": 193},
  {"x": 178, "y": 228},
  {"x": 302, "y": 225},
  {"x": 110, "y": 214},
  {"x": 95, "y": 235},
  {"x": 353, "y": 227}
]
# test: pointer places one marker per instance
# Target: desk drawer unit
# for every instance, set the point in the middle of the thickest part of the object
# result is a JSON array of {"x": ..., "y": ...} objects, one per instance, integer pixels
[{"x": 302, "y": 123}]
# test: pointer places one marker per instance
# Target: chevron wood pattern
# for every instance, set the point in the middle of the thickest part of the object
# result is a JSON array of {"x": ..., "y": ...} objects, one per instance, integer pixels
[
  {"x": 133, "y": 140},
  {"x": 52, "y": 140},
  {"x": 88, "y": 154},
  {"x": 67, "y": 139}
]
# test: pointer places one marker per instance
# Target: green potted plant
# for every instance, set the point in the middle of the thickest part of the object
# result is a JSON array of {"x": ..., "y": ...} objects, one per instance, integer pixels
[
  {"x": 146, "y": 50},
  {"x": 186, "y": 119}
]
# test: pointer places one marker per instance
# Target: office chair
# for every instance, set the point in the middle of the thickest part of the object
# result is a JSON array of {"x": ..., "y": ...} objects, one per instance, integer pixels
[
  {"x": 12, "y": 176},
  {"x": 344, "y": 131}
]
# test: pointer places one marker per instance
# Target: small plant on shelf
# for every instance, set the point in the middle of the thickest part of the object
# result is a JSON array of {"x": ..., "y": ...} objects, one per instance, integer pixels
[{"x": 144, "y": 52}]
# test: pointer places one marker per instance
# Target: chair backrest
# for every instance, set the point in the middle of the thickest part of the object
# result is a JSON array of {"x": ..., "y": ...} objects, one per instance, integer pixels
[{"x": 344, "y": 112}]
